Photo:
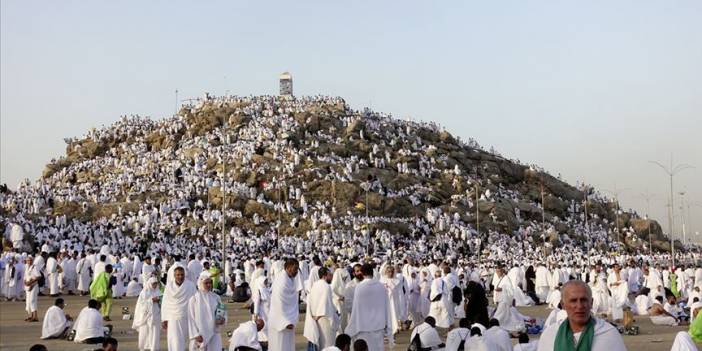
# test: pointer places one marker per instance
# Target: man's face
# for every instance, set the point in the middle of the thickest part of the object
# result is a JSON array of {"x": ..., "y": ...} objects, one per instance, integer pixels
[
  {"x": 109, "y": 347},
  {"x": 357, "y": 272},
  {"x": 292, "y": 271},
  {"x": 179, "y": 276},
  {"x": 577, "y": 303},
  {"x": 329, "y": 277}
]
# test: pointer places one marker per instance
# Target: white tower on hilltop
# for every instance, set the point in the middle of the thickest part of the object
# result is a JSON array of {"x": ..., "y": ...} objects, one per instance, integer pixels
[{"x": 286, "y": 87}]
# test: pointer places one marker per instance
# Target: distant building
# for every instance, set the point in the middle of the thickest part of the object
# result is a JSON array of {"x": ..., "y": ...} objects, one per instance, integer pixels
[{"x": 286, "y": 87}]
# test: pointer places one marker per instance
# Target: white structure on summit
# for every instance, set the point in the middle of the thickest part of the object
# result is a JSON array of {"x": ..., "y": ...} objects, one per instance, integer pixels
[{"x": 286, "y": 84}]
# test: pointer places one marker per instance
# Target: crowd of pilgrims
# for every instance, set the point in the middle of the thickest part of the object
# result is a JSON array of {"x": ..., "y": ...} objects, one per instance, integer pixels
[
  {"x": 448, "y": 293},
  {"x": 170, "y": 223}
]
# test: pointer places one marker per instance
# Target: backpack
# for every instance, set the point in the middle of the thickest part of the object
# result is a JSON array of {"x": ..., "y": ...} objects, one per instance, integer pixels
[
  {"x": 456, "y": 295},
  {"x": 462, "y": 344},
  {"x": 415, "y": 344},
  {"x": 42, "y": 280}
]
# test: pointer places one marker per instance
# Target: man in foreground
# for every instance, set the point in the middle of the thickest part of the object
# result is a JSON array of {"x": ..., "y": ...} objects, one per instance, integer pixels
[
  {"x": 56, "y": 322},
  {"x": 371, "y": 318},
  {"x": 89, "y": 328},
  {"x": 580, "y": 331},
  {"x": 174, "y": 309},
  {"x": 284, "y": 307}
]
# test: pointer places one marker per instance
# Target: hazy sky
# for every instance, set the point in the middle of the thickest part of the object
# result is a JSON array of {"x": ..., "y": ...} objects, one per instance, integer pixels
[{"x": 592, "y": 90}]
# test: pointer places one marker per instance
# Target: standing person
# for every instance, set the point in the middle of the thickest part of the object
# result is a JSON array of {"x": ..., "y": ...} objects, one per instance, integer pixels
[
  {"x": 394, "y": 290},
  {"x": 11, "y": 275},
  {"x": 440, "y": 308},
  {"x": 53, "y": 269},
  {"x": 321, "y": 318},
  {"x": 261, "y": 299},
  {"x": 593, "y": 334},
  {"x": 619, "y": 290},
  {"x": 83, "y": 270},
  {"x": 349, "y": 290},
  {"x": 371, "y": 315},
  {"x": 101, "y": 291},
  {"x": 206, "y": 316},
  {"x": 31, "y": 288},
  {"x": 174, "y": 309},
  {"x": 69, "y": 272},
  {"x": 147, "y": 316},
  {"x": 284, "y": 307}
]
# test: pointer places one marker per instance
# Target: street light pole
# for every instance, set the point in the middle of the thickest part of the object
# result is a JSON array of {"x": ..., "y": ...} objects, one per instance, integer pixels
[
  {"x": 586, "y": 192},
  {"x": 648, "y": 198},
  {"x": 224, "y": 194},
  {"x": 671, "y": 172},
  {"x": 682, "y": 215}
]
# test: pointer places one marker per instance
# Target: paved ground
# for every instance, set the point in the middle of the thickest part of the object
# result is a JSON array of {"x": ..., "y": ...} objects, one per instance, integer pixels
[{"x": 15, "y": 334}]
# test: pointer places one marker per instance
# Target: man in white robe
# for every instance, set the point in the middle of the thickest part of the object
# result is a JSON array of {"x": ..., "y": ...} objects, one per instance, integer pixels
[
  {"x": 541, "y": 283},
  {"x": 174, "y": 309},
  {"x": 394, "y": 289},
  {"x": 133, "y": 288},
  {"x": 577, "y": 302},
  {"x": 619, "y": 290},
  {"x": 321, "y": 319},
  {"x": 194, "y": 268},
  {"x": 440, "y": 307},
  {"x": 284, "y": 307},
  {"x": 504, "y": 298},
  {"x": 56, "y": 322},
  {"x": 83, "y": 270},
  {"x": 338, "y": 284},
  {"x": 31, "y": 288},
  {"x": 147, "y": 316},
  {"x": 246, "y": 335},
  {"x": 371, "y": 316},
  {"x": 428, "y": 336},
  {"x": 206, "y": 315},
  {"x": 52, "y": 270},
  {"x": 653, "y": 282},
  {"x": 89, "y": 325},
  {"x": 458, "y": 335},
  {"x": 349, "y": 291}
]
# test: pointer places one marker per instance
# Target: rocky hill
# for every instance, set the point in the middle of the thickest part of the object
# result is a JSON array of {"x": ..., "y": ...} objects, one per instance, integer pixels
[{"x": 284, "y": 158}]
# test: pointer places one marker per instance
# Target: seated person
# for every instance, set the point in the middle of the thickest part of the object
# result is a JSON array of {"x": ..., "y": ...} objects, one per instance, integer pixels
[
  {"x": 659, "y": 316},
  {"x": 458, "y": 335},
  {"x": 428, "y": 336},
  {"x": 672, "y": 307},
  {"x": 642, "y": 302},
  {"x": 342, "y": 343},
  {"x": 241, "y": 292},
  {"x": 245, "y": 337},
  {"x": 89, "y": 328},
  {"x": 56, "y": 322},
  {"x": 110, "y": 344},
  {"x": 524, "y": 344},
  {"x": 133, "y": 288}
]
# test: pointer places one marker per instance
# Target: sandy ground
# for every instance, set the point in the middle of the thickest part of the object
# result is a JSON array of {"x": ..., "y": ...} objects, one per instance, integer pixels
[{"x": 15, "y": 334}]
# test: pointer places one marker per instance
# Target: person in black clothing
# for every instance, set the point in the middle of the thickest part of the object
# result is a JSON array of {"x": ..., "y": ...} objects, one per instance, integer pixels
[
  {"x": 530, "y": 275},
  {"x": 477, "y": 303}
]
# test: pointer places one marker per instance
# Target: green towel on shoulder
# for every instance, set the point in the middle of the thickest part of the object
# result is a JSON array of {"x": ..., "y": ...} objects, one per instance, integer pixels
[{"x": 566, "y": 342}]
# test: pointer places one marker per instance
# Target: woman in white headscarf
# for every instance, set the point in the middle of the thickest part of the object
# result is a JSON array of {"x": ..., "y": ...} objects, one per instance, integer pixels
[
  {"x": 147, "y": 316},
  {"x": 261, "y": 299},
  {"x": 206, "y": 315}
]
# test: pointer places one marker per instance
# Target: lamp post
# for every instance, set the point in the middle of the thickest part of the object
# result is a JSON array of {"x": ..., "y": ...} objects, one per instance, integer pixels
[
  {"x": 617, "y": 212},
  {"x": 671, "y": 171},
  {"x": 224, "y": 193},
  {"x": 647, "y": 196}
]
